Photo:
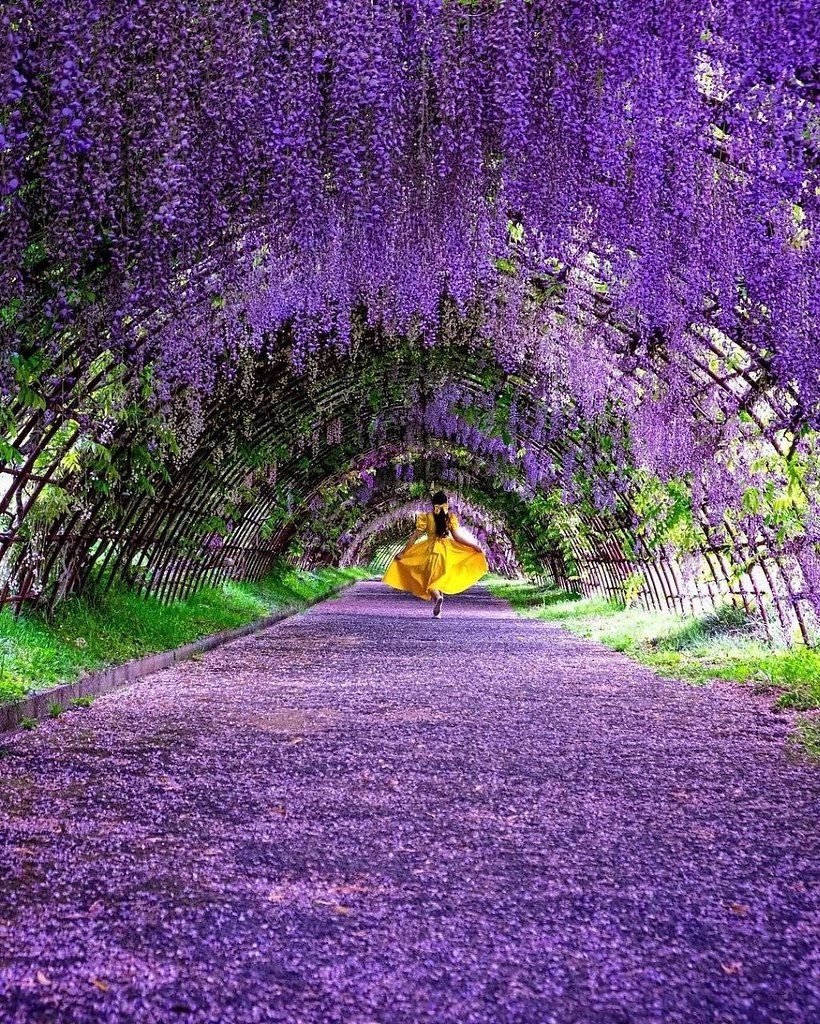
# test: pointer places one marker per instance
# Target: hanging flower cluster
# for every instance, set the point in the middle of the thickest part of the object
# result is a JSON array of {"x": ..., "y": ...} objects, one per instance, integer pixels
[{"x": 208, "y": 172}]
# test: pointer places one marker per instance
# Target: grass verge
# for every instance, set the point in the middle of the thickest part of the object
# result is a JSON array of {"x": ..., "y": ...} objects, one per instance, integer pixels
[
  {"x": 723, "y": 645},
  {"x": 88, "y": 634}
]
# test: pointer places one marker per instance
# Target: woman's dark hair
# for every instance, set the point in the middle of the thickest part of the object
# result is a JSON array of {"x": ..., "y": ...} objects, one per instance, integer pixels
[{"x": 442, "y": 518}]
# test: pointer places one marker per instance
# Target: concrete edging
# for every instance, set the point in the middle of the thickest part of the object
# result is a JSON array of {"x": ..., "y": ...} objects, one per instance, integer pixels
[{"x": 37, "y": 704}]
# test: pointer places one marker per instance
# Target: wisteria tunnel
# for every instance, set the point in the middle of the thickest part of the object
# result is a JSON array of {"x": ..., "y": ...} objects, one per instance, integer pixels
[
  {"x": 271, "y": 272},
  {"x": 275, "y": 274}
]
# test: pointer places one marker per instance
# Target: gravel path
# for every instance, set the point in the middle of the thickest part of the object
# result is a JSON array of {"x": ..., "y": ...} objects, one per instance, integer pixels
[{"x": 366, "y": 816}]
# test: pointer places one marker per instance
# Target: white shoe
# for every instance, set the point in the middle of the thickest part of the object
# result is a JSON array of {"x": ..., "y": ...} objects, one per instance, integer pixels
[{"x": 439, "y": 601}]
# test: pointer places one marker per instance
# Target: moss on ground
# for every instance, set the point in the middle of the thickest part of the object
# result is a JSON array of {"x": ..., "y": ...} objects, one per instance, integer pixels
[{"x": 92, "y": 633}]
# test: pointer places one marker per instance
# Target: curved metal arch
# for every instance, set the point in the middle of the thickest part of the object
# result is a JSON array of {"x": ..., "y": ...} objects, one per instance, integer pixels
[
  {"x": 170, "y": 520},
  {"x": 192, "y": 489},
  {"x": 290, "y": 527},
  {"x": 541, "y": 553},
  {"x": 374, "y": 529}
]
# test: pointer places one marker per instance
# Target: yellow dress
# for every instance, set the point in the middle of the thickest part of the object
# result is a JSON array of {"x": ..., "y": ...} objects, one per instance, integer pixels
[{"x": 437, "y": 563}]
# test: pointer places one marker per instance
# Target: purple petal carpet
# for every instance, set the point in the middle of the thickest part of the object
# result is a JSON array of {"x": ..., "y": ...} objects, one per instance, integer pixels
[{"x": 363, "y": 815}]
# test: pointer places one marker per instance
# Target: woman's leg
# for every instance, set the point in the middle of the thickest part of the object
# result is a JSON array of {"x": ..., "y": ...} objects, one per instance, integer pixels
[{"x": 438, "y": 601}]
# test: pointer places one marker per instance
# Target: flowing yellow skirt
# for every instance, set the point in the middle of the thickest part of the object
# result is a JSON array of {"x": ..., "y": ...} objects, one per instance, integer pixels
[{"x": 438, "y": 564}]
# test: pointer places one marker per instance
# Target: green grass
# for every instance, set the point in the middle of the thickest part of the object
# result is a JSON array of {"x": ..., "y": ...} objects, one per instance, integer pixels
[
  {"x": 807, "y": 736},
  {"x": 88, "y": 634},
  {"x": 723, "y": 645}
]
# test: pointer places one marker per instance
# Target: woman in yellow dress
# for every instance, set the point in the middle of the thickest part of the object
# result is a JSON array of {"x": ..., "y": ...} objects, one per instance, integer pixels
[{"x": 446, "y": 563}]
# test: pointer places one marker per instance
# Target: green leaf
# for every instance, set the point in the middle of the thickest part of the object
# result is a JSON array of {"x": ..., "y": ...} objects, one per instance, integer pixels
[
  {"x": 8, "y": 453},
  {"x": 31, "y": 398},
  {"x": 72, "y": 461},
  {"x": 751, "y": 500}
]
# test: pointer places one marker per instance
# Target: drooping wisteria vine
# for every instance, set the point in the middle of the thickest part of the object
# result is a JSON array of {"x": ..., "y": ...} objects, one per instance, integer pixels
[{"x": 302, "y": 159}]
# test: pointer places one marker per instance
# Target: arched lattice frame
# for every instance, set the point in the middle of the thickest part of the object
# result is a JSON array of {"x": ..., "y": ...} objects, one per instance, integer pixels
[{"x": 166, "y": 522}]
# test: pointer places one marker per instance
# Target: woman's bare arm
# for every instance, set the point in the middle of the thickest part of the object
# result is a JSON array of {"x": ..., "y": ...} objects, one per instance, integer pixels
[{"x": 465, "y": 540}]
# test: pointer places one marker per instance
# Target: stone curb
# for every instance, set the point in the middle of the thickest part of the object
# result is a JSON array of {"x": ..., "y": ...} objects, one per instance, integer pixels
[{"x": 103, "y": 681}]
